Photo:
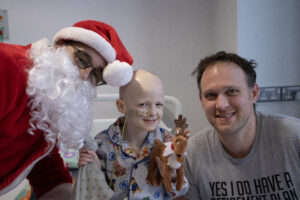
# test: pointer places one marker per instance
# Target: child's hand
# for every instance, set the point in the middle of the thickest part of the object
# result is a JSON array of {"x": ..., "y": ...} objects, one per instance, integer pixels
[{"x": 87, "y": 156}]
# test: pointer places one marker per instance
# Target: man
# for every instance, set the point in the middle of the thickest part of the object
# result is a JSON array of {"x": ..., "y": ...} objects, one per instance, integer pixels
[
  {"x": 46, "y": 97},
  {"x": 245, "y": 154}
]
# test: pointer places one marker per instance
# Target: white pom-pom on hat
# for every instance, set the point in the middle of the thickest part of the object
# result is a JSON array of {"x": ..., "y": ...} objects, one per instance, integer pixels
[{"x": 117, "y": 73}]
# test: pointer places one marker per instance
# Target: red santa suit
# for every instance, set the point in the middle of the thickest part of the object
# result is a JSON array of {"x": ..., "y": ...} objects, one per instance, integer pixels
[
  {"x": 22, "y": 154},
  {"x": 30, "y": 156}
]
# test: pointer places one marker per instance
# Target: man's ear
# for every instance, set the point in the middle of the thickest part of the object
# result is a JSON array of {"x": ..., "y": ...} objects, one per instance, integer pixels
[
  {"x": 121, "y": 106},
  {"x": 254, "y": 93},
  {"x": 200, "y": 97}
]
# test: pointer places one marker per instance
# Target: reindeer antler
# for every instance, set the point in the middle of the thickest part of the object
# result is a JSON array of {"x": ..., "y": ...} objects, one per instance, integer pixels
[{"x": 181, "y": 125}]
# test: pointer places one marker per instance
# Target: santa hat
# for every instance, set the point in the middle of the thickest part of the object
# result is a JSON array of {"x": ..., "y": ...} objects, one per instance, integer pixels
[{"x": 104, "y": 39}]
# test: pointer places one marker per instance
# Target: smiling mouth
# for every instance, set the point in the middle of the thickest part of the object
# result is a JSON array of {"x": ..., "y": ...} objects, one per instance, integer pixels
[
  {"x": 225, "y": 116},
  {"x": 150, "y": 120}
]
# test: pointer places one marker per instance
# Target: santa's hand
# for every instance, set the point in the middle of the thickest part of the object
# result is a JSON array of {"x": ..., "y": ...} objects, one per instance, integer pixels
[
  {"x": 88, "y": 156},
  {"x": 160, "y": 168}
]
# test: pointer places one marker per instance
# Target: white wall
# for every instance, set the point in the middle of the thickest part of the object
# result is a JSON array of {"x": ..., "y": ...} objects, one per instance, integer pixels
[
  {"x": 269, "y": 32},
  {"x": 224, "y": 26},
  {"x": 167, "y": 37}
]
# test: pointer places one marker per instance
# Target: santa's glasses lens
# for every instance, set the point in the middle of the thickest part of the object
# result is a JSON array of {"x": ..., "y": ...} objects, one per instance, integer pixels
[
  {"x": 96, "y": 76},
  {"x": 83, "y": 61}
]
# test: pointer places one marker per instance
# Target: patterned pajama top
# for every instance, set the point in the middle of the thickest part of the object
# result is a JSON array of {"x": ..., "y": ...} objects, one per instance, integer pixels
[{"x": 130, "y": 169}]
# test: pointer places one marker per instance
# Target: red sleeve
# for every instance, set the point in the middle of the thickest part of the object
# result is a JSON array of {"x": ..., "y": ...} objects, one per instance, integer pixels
[
  {"x": 48, "y": 173},
  {"x": 13, "y": 60}
]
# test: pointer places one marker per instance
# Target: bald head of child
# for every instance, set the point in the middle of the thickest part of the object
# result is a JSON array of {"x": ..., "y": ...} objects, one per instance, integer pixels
[
  {"x": 142, "y": 82},
  {"x": 143, "y": 96}
]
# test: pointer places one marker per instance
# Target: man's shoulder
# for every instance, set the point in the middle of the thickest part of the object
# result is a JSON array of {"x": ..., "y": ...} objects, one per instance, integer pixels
[
  {"x": 202, "y": 136},
  {"x": 200, "y": 143},
  {"x": 279, "y": 123},
  {"x": 278, "y": 119}
]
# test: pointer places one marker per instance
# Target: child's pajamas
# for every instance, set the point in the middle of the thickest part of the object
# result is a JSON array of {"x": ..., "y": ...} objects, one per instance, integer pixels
[{"x": 130, "y": 170}]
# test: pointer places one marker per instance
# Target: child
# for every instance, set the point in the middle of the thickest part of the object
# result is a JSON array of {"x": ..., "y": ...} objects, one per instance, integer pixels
[{"x": 128, "y": 142}]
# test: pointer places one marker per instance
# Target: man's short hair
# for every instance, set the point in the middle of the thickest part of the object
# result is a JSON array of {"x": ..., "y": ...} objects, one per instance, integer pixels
[{"x": 248, "y": 66}]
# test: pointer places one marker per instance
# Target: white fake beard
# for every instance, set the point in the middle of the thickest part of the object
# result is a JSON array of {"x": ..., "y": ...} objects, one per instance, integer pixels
[{"x": 60, "y": 100}]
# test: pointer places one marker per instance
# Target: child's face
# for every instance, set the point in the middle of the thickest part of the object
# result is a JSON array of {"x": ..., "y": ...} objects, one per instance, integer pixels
[{"x": 144, "y": 106}]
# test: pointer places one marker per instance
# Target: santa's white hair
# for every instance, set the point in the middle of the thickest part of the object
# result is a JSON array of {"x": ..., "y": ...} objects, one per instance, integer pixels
[{"x": 60, "y": 100}]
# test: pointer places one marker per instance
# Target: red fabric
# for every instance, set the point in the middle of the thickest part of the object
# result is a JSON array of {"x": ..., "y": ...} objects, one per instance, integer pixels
[
  {"x": 18, "y": 148},
  {"x": 41, "y": 176},
  {"x": 110, "y": 35}
]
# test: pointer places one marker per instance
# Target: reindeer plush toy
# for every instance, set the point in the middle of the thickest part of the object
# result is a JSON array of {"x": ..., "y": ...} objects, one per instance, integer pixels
[{"x": 172, "y": 156}]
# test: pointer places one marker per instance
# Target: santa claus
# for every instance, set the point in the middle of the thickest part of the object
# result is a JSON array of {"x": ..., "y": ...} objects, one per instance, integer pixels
[{"x": 46, "y": 96}]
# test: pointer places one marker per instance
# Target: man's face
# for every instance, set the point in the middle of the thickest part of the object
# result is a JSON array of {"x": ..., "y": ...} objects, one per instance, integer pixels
[{"x": 226, "y": 98}]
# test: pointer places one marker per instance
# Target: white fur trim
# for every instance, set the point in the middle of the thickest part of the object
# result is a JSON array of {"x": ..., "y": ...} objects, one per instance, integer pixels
[
  {"x": 117, "y": 73},
  {"x": 168, "y": 150},
  {"x": 173, "y": 162},
  {"x": 90, "y": 38}
]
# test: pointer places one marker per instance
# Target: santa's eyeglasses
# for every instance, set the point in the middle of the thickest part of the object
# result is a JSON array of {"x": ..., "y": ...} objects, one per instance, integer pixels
[{"x": 83, "y": 61}]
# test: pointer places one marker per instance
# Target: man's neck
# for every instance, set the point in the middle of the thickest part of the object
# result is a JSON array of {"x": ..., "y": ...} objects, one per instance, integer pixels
[{"x": 239, "y": 145}]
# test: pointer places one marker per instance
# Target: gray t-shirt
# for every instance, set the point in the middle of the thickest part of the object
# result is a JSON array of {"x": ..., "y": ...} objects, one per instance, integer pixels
[{"x": 270, "y": 171}]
